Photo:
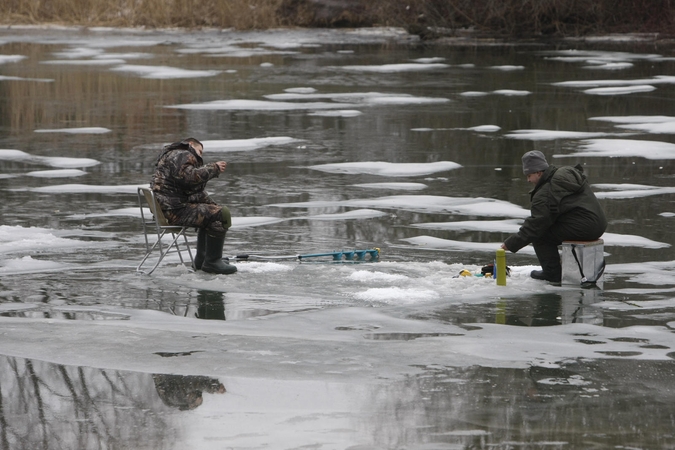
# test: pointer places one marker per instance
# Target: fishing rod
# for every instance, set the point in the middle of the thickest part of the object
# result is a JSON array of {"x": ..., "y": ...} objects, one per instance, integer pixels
[{"x": 373, "y": 254}]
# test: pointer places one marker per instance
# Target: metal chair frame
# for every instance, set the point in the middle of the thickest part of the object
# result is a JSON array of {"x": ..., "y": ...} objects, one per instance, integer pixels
[{"x": 160, "y": 226}]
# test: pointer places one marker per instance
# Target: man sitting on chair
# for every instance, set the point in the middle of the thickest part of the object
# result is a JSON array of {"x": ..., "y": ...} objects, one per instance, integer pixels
[
  {"x": 564, "y": 208},
  {"x": 179, "y": 182}
]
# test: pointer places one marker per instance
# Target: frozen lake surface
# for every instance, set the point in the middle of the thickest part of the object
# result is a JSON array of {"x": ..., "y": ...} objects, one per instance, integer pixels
[{"x": 335, "y": 140}]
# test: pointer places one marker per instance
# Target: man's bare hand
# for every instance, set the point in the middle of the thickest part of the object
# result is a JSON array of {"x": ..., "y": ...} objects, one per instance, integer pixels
[{"x": 221, "y": 165}]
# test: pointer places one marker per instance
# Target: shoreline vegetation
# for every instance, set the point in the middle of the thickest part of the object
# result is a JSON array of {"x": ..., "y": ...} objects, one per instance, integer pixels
[{"x": 429, "y": 19}]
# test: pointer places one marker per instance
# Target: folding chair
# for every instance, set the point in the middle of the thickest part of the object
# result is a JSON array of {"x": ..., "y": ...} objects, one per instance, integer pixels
[{"x": 159, "y": 225}]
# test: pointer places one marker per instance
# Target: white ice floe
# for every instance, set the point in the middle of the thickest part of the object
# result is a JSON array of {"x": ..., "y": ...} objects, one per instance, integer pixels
[
  {"x": 341, "y": 102},
  {"x": 244, "y": 222},
  {"x": 81, "y": 130},
  {"x": 164, "y": 72},
  {"x": 396, "y": 295},
  {"x": 435, "y": 59},
  {"x": 636, "y": 193},
  {"x": 39, "y": 80},
  {"x": 586, "y": 56},
  {"x": 387, "y": 169},
  {"x": 232, "y": 50},
  {"x": 513, "y": 225},
  {"x": 57, "y": 173},
  {"x": 549, "y": 135},
  {"x": 627, "y": 240},
  {"x": 620, "y": 90},
  {"x": 17, "y": 239},
  {"x": 485, "y": 128},
  {"x": 477, "y": 128},
  {"x": 122, "y": 212},
  {"x": 301, "y": 90},
  {"x": 350, "y": 215},
  {"x": 27, "y": 264},
  {"x": 498, "y": 226},
  {"x": 654, "y": 128},
  {"x": 474, "y": 94},
  {"x": 11, "y": 58},
  {"x": 634, "y": 119},
  {"x": 659, "y": 79},
  {"x": 637, "y": 306},
  {"x": 393, "y": 186},
  {"x": 260, "y": 105},
  {"x": 598, "y": 65},
  {"x": 511, "y": 92},
  {"x": 470, "y": 206},
  {"x": 434, "y": 243},
  {"x": 338, "y": 113},
  {"x": 84, "y": 62},
  {"x": 508, "y": 68},
  {"x": 624, "y": 148},
  {"x": 238, "y": 145},
  {"x": 393, "y": 68},
  {"x": 667, "y": 214},
  {"x": 85, "y": 189},
  {"x": 343, "y": 97},
  {"x": 54, "y": 161}
]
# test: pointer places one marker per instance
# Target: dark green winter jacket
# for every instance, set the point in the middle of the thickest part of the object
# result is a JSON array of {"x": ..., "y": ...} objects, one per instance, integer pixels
[{"x": 562, "y": 202}]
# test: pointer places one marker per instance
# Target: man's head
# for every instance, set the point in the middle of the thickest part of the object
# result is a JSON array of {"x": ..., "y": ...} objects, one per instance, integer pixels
[
  {"x": 195, "y": 145},
  {"x": 534, "y": 164}
]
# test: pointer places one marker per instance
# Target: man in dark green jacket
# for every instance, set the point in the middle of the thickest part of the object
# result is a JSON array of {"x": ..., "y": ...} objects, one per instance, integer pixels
[
  {"x": 564, "y": 208},
  {"x": 179, "y": 184}
]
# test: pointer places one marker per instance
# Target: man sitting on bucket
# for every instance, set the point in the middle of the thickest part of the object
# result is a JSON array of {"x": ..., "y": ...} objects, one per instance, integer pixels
[{"x": 564, "y": 208}]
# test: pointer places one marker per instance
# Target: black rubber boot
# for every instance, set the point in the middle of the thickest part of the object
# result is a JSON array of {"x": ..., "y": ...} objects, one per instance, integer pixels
[
  {"x": 213, "y": 258},
  {"x": 549, "y": 258},
  {"x": 201, "y": 250}
]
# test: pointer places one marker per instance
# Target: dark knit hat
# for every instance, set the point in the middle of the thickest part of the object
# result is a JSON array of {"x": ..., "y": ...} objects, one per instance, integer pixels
[{"x": 534, "y": 161}]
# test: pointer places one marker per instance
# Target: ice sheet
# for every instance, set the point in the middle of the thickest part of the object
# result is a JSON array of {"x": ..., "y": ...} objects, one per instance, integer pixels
[
  {"x": 388, "y": 169},
  {"x": 475, "y": 206},
  {"x": 163, "y": 72},
  {"x": 82, "y": 130},
  {"x": 238, "y": 145},
  {"x": 623, "y": 148}
]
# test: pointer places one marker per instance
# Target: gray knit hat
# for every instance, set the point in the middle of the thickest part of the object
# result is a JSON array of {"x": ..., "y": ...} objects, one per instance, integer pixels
[{"x": 534, "y": 161}]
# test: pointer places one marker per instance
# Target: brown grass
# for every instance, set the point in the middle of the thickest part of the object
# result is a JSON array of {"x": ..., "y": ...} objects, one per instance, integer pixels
[
  {"x": 506, "y": 17},
  {"x": 240, "y": 14}
]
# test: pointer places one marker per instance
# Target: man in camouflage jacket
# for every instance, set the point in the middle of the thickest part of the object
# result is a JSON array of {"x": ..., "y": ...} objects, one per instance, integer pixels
[
  {"x": 179, "y": 184},
  {"x": 564, "y": 208}
]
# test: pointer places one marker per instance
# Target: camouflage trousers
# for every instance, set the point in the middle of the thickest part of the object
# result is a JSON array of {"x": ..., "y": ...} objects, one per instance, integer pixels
[{"x": 215, "y": 219}]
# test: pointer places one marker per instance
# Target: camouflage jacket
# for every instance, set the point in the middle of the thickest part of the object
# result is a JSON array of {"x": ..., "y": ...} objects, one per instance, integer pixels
[{"x": 180, "y": 179}]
